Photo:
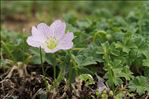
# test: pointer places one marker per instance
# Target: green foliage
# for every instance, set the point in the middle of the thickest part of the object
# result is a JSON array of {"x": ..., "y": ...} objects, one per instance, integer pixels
[
  {"x": 87, "y": 78},
  {"x": 88, "y": 56},
  {"x": 139, "y": 84},
  {"x": 146, "y": 61},
  {"x": 113, "y": 44},
  {"x": 119, "y": 44},
  {"x": 14, "y": 46},
  {"x": 35, "y": 52}
]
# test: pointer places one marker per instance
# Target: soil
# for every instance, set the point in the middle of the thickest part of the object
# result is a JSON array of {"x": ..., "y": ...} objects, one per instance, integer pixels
[
  {"x": 32, "y": 86},
  {"x": 27, "y": 82}
]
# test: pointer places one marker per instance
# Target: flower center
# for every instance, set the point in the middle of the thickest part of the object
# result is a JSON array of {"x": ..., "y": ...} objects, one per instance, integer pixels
[{"x": 52, "y": 43}]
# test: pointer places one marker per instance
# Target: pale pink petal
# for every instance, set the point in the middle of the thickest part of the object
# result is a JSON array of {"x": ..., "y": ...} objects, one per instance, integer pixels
[
  {"x": 65, "y": 45},
  {"x": 45, "y": 30},
  {"x": 33, "y": 42},
  {"x": 68, "y": 37},
  {"x": 43, "y": 33},
  {"x": 50, "y": 50},
  {"x": 66, "y": 42},
  {"x": 39, "y": 36},
  {"x": 58, "y": 28}
]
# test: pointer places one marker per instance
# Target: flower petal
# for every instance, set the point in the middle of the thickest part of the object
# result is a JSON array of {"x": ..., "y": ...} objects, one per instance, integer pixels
[
  {"x": 39, "y": 36},
  {"x": 43, "y": 33},
  {"x": 101, "y": 86},
  {"x": 65, "y": 45},
  {"x": 68, "y": 37},
  {"x": 50, "y": 50},
  {"x": 66, "y": 42},
  {"x": 45, "y": 29},
  {"x": 58, "y": 28},
  {"x": 33, "y": 42}
]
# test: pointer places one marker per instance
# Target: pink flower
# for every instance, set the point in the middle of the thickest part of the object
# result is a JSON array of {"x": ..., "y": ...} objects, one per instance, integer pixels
[{"x": 51, "y": 38}]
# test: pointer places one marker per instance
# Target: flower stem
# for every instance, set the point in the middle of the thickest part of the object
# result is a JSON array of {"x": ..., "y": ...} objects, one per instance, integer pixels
[
  {"x": 54, "y": 68},
  {"x": 42, "y": 62},
  {"x": 70, "y": 74}
]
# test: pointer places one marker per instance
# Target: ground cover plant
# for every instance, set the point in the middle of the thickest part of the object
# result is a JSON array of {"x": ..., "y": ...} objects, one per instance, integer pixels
[{"x": 93, "y": 53}]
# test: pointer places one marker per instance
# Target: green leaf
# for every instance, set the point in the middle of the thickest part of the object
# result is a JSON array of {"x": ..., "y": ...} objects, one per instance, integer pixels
[
  {"x": 36, "y": 55},
  {"x": 146, "y": 62},
  {"x": 139, "y": 84},
  {"x": 87, "y": 78},
  {"x": 88, "y": 56}
]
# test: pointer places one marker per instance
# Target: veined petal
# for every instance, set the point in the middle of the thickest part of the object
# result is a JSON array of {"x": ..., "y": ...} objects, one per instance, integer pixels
[
  {"x": 39, "y": 36},
  {"x": 45, "y": 30},
  {"x": 33, "y": 42},
  {"x": 65, "y": 45},
  {"x": 52, "y": 38},
  {"x": 68, "y": 37},
  {"x": 66, "y": 42},
  {"x": 58, "y": 28}
]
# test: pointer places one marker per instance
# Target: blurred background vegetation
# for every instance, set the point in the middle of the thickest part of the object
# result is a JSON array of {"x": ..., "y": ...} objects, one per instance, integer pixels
[{"x": 21, "y": 15}]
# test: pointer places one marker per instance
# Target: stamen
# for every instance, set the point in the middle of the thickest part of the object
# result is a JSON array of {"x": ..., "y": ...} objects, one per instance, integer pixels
[{"x": 52, "y": 43}]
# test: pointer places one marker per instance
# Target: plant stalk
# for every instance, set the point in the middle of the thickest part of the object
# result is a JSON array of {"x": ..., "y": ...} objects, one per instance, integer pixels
[
  {"x": 54, "y": 68},
  {"x": 42, "y": 62}
]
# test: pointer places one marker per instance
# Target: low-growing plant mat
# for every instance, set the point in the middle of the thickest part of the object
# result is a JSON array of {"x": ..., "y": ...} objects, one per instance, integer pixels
[{"x": 95, "y": 52}]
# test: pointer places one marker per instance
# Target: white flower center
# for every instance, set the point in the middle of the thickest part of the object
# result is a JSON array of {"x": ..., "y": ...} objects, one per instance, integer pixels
[{"x": 51, "y": 43}]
